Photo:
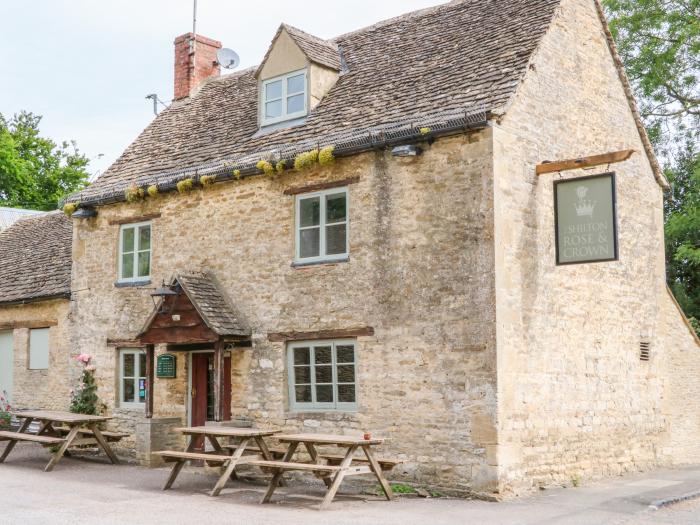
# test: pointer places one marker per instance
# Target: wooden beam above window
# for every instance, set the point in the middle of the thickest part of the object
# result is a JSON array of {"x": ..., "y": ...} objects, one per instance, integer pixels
[
  {"x": 342, "y": 333},
  {"x": 135, "y": 219},
  {"x": 12, "y": 325},
  {"x": 584, "y": 162}
]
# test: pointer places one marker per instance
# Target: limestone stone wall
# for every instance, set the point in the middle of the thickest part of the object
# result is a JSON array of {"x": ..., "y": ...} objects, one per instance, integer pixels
[
  {"x": 575, "y": 400},
  {"x": 47, "y": 389},
  {"x": 420, "y": 272}
]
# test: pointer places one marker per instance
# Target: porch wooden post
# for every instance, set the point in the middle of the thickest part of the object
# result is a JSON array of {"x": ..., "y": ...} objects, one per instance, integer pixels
[
  {"x": 219, "y": 381},
  {"x": 150, "y": 374}
]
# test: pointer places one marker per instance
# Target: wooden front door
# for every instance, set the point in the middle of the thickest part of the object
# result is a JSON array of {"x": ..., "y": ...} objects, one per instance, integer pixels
[{"x": 202, "y": 391}]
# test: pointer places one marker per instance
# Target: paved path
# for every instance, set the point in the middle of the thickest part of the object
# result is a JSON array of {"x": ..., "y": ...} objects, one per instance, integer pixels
[{"x": 82, "y": 491}]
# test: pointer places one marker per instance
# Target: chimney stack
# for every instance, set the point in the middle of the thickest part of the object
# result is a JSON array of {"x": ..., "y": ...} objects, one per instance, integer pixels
[{"x": 194, "y": 63}]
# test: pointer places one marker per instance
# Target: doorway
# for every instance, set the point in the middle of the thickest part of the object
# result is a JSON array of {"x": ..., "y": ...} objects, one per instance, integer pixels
[
  {"x": 201, "y": 391},
  {"x": 7, "y": 359}
]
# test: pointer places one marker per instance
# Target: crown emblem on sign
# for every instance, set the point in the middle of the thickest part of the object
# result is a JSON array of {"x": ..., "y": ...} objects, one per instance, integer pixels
[{"x": 584, "y": 207}]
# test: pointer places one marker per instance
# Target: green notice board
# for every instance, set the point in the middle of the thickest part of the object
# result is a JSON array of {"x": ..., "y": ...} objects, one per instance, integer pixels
[
  {"x": 166, "y": 366},
  {"x": 585, "y": 219}
]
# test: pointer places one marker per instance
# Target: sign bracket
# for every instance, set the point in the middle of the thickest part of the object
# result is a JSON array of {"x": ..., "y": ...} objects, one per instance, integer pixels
[{"x": 584, "y": 162}]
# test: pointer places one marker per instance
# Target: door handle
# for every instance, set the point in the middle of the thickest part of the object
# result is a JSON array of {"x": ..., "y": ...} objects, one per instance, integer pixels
[{"x": 193, "y": 393}]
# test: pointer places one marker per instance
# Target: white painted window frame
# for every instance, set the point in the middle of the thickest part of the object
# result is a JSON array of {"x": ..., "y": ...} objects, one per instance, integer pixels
[
  {"x": 322, "y": 257},
  {"x": 138, "y": 374},
  {"x": 136, "y": 226},
  {"x": 314, "y": 406},
  {"x": 264, "y": 121},
  {"x": 31, "y": 363}
]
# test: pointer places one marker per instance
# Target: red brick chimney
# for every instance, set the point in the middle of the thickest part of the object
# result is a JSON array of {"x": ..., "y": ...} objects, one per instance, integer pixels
[{"x": 194, "y": 63}]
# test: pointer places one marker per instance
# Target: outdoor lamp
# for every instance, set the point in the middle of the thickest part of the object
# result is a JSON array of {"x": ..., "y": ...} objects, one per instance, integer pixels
[{"x": 159, "y": 296}]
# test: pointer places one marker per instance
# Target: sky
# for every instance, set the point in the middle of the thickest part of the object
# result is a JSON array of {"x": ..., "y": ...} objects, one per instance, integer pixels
[{"x": 87, "y": 65}]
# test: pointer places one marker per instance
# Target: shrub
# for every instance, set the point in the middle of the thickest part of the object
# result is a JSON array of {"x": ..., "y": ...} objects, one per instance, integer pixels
[
  {"x": 281, "y": 166},
  {"x": 5, "y": 408},
  {"x": 185, "y": 185},
  {"x": 84, "y": 398},
  {"x": 207, "y": 180},
  {"x": 237, "y": 174},
  {"x": 424, "y": 131},
  {"x": 152, "y": 190},
  {"x": 133, "y": 194},
  {"x": 306, "y": 160},
  {"x": 266, "y": 167},
  {"x": 325, "y": 156},
  {"x": 70, "y": 208}
]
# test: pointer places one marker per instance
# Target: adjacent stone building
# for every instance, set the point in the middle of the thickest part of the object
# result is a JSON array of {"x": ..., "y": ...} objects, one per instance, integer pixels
[{"x": 354, "y": 236}]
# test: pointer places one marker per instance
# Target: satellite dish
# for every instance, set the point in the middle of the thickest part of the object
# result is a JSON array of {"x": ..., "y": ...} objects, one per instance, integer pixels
[{"x": 227, "y": 58}]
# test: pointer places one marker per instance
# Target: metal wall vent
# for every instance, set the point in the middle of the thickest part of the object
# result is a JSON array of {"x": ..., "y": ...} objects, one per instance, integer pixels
[{"x": 644, "y": 350}]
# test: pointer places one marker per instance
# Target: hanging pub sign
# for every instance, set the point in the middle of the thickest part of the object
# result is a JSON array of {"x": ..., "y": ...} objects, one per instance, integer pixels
[
  {"x": 585, "y": 219},
  {"x": 165, "y": 366}
]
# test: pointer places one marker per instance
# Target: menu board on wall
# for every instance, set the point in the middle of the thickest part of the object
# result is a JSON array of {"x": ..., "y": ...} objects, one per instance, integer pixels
[{"x": 585, "y": 219}]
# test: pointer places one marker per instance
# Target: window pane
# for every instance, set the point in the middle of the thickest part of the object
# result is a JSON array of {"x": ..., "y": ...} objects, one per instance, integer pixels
[
  {"x": 127, "y": 266},
  {"x": 273, "y": 109},
  {"x": 142, "y": 365},
  {"x": 324, "y": 394},
  {"x": 346, "y": 374},
  {"x": 128, "y": 389},
  {"x": 295, "y": 84},
  {"x": 39, "y": 349},
  {"x": 322, "y": 354},
  {"x": 302, "y": 375},
  {"x": 273, "y": 90},
  {"x": 301, "y": 356},
  {"x": 303, "y": 394},
  {"x": 145, "y": 238},
  {"x": 129, "y": 370},
  {"x": 324, "y": 374},
  {"x": 310, "y": 212},
  {"x": 335, "y": 208},
  {"x": 310, "y": 242},
  {"x": 346, "y": 393},
  {"x": 336, "y": 239},
  {"x": 144, "y": 264},
  {"x": 295, "y": 104},
  {"x": 127, "y": 240},
  {"x": 345, "y": 354}
]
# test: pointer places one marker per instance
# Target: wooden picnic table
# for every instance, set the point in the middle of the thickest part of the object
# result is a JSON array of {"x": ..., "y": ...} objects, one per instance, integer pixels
[
  {"x": 226, "y": 455},
  {"x": 75, "y": 429},
  {"x": 324, "y": 464}
]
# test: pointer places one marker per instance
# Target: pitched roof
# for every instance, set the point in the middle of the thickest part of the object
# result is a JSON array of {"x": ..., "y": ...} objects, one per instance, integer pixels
[
  {"x": 316, "y": 49},
  {"x": 8, "y": 216},
  {"x": 211, "y": 304},
  {"x": 461, "y": 56},
  {"x": 35, "y": 258}
]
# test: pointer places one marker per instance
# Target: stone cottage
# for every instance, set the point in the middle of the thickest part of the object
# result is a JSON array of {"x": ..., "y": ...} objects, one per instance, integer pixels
[{"x": 359, "y": 235}]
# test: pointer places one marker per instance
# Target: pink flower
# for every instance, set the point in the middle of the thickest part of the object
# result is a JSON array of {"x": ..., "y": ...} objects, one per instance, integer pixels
[{"x": 83, "y": 358}]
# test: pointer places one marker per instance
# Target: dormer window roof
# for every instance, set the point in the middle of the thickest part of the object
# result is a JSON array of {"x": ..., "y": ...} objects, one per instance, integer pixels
[{"x": 296, "y": 73}]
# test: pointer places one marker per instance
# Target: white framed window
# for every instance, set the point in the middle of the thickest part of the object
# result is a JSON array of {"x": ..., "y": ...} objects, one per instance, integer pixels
[
  {"x": 39, "y": 349},
  {"x": 322, "y": 375},
  {"x": 132, "y": 378},
  {"x": 322, "y": 226},
  {"x": 135, "y": 252},
  {"x": 284, "y": 97}
]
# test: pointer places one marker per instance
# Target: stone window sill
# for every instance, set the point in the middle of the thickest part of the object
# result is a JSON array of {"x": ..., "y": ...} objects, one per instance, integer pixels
[
  {"x": 300, "y": 265},
  {"x": 131, "y": 284}
]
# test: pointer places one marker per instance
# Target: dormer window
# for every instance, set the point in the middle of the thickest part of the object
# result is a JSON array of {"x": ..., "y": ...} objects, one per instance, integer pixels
[{"x": 284, "y": 97}]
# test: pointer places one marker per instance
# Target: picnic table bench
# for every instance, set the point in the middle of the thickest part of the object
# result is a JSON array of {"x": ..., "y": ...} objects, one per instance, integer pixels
[
  {"x": 219, "y": 456},
  {"x": 332, "y": 474},
  {"x": 71, "y": 431}
]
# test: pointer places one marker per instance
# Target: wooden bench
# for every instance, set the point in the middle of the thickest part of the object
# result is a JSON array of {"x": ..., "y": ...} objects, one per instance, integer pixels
[
  {"x": 108, "y": 435},
  {"x": 211, "y": 459},
  {"x": 291, "y": 465},
  {"x": 21, "y": 436},
  {"x": 332, "y": 459}
]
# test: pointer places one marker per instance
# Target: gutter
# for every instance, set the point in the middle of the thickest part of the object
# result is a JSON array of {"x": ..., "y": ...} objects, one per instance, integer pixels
[
  {"x": 20, "y": 302},
  {"x": 345, "y": 144}
]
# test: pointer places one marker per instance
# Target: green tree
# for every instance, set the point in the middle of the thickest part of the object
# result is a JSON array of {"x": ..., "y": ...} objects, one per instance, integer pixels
[
  {"x": 659, "y": 43},
  {"x": 35, "y": 172}
]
